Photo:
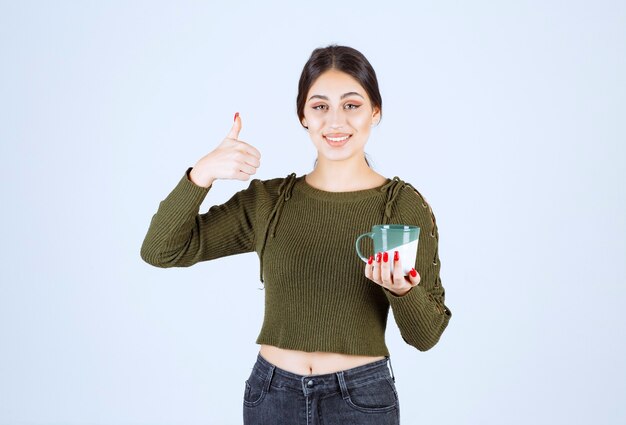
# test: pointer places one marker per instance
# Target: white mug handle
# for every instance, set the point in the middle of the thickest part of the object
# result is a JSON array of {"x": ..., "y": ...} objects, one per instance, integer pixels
[{"x": 358, "y": 249}]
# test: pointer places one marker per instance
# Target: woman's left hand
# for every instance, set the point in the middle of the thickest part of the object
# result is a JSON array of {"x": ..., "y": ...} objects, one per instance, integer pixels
[{"x": 378, "y": 270}]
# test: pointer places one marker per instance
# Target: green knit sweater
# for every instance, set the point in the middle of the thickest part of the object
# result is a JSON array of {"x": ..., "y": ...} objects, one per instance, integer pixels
[{"x": 317, "y": 297}]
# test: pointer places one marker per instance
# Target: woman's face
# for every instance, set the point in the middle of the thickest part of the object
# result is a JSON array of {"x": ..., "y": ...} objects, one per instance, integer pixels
[{"x": 339, "y": 116}]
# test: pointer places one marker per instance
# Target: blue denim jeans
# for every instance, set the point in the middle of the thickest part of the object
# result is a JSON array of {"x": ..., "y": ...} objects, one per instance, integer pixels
[{"x": 362, "y": 395}]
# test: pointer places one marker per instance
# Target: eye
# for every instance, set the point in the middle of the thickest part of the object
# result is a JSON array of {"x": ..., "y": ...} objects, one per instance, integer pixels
[
  {"x": 317, "y": 107},
  {"x": 352, "y": 104}
]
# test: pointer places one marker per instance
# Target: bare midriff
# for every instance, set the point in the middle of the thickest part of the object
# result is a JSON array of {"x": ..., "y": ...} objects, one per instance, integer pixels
[{"x": 315, "y": 363}]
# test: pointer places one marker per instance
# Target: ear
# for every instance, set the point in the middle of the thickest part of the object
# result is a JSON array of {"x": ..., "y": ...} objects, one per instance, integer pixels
[
  {"x": 376, "y": 116},
  {"x": 304, "y": 123}
]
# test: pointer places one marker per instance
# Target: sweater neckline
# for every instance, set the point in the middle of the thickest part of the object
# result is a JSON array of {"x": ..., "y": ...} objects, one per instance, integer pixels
[{"x": 304, "y": 187}]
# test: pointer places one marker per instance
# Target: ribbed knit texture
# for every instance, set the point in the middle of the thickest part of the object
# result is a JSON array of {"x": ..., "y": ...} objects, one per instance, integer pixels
[{"x": 317, "y": 297}]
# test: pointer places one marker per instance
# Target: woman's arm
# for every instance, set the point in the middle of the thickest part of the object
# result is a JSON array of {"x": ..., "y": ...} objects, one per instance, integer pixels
[
  {"x": 178, "y": 236},
  {"x": 421, "y": 313}
]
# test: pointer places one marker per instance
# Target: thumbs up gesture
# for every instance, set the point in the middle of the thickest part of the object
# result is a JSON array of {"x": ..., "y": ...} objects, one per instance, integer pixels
[{"x": 232, "y": 159}]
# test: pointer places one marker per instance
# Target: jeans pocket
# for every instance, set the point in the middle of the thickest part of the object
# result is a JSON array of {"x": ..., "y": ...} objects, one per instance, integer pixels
[
  {"x": 254, "y": 390},
  {"x": 374, "y": 396}
]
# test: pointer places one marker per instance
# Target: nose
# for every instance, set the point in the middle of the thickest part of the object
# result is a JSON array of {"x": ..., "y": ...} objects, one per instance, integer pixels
[{"x": 337, "y": 118}]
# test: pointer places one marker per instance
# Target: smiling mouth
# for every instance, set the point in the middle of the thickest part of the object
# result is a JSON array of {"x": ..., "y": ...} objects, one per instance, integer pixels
[{"x": 337, "y": 140}]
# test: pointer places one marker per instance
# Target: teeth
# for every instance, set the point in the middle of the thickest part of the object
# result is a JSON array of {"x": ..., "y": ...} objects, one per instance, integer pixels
[{"x": 337, "y": 139}]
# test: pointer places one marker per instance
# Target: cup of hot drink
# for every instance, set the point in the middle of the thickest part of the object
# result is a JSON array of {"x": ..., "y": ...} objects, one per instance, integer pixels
[{"x": 393, "y": 237}]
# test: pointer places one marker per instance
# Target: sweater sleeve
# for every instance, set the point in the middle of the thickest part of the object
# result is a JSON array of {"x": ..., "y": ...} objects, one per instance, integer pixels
[
  {"x": 421, "y": 314},
  {"x": 179, "y": 236}
]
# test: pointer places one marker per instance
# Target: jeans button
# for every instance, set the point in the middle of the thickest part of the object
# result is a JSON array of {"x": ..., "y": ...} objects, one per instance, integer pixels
[{"x": 310, "y": 383}]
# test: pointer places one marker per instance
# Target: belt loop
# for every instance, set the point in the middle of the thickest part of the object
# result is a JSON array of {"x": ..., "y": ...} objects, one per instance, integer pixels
[
  {"x": 342, "y": 385},
  {"x": 268, "y": 379},
  {"x": 391, "y": 367}
]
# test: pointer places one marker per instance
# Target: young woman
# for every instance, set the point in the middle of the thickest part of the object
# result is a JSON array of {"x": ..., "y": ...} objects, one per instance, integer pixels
[{"x": 323, "y": 357}]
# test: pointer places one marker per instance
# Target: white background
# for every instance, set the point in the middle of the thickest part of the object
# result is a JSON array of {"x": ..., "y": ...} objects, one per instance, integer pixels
[{"x": 508, "y": 116}]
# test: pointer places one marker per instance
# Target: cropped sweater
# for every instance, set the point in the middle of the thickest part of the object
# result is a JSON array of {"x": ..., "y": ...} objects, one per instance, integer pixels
[{"x": 317, "y": 297}]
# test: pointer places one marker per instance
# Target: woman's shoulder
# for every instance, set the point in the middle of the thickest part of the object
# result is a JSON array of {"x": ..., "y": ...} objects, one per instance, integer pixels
[
  {"x": 274, "y": 185},
  {"x": 276, "y": 181},
  {"x": 412, "y": 203},
  {"x": 408, "y": 190},
  {"x": 410, "y": 196}
]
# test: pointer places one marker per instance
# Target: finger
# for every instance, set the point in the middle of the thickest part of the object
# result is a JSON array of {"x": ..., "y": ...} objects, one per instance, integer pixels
[
  {"x": 368, "y": 267},
  {"x": 376, "y": 268},
  {"x": 236, "y": 128},
  {"x": 251, "y": 150},
  {"x": 398, "y": 274},
  {"x": 385, "y": 270},
  {"x": 248, "y": 169},
  {"x": 240, "y": 175},
  {"x": 243, "y": 157},
  {"x": 414, "y": 277},
  {"x": 251, "y": 159}
]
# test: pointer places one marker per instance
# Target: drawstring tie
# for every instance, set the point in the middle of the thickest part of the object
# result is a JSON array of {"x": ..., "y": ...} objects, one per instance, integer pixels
[
  {"x": 393, "y": 188},
  {"x": 284, "y": 194}
]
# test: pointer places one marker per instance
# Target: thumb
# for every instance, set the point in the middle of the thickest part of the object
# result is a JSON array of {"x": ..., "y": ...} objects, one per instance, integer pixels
[{"x": 236, "y": 128}]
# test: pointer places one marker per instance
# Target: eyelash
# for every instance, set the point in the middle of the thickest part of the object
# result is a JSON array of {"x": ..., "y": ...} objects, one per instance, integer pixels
[{"x": 347, "y": 104}]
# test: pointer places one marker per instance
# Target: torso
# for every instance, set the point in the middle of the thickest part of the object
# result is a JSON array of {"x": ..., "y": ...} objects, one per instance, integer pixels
[
  {"x": 305, "y": 363},
  {"x": 317, "y": 363}
]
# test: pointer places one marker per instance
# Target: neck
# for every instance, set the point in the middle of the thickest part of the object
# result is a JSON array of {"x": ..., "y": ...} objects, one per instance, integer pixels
[{"x": 342, "y": 176}]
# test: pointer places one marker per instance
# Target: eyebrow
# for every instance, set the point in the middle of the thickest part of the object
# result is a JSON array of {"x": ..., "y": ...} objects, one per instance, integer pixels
[{"x": 319, "y": 96}]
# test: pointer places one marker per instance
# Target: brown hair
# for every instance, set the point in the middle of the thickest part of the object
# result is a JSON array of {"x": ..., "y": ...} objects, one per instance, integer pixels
[{"x": 341, "y": 58}]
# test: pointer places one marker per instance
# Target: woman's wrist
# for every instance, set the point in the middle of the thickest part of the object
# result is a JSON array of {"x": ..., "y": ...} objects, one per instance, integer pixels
[
  {"x": 401, "y": 293},
  {"x": 199, "y": 180}
]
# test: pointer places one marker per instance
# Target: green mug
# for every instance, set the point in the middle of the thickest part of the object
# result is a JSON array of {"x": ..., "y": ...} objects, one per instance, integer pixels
[{"x": 393, "y": 237}]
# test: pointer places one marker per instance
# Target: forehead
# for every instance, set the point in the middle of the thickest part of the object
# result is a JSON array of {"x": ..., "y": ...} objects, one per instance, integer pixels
[{"x": 334, "y": 83}]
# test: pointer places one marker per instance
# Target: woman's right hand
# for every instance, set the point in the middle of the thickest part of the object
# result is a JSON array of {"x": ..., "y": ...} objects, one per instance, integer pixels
[{"x": 232, "y": 159}]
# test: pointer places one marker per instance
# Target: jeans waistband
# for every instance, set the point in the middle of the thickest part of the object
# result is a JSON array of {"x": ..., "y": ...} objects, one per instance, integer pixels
[{"x": 323, "y": 382}]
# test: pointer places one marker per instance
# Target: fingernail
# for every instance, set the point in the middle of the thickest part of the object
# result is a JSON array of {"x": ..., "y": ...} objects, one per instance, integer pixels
[
  {"x": 236, "y": 115},
  {"x": 413, "y": 272},
  {"x": 371, "y": 259},
  {"x": 385, "y": 257},
  {"x": 378, "y": 257},
  {"x": 396, "y": 256}
]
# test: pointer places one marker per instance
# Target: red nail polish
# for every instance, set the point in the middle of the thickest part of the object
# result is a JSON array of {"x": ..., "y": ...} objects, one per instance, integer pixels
[
  {"x": 413, "y": 272},
  {"x": 378, "y": 256},
  {"x": 385, "y": 257},
  {"x": 396, "y": 256},
  {"x": 371, "y": 259},
  {"x": 236, "y": 115}
]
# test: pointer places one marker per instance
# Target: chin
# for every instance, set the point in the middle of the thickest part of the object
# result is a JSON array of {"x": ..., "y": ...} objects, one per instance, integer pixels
[{"x": 337, "y": 156}]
